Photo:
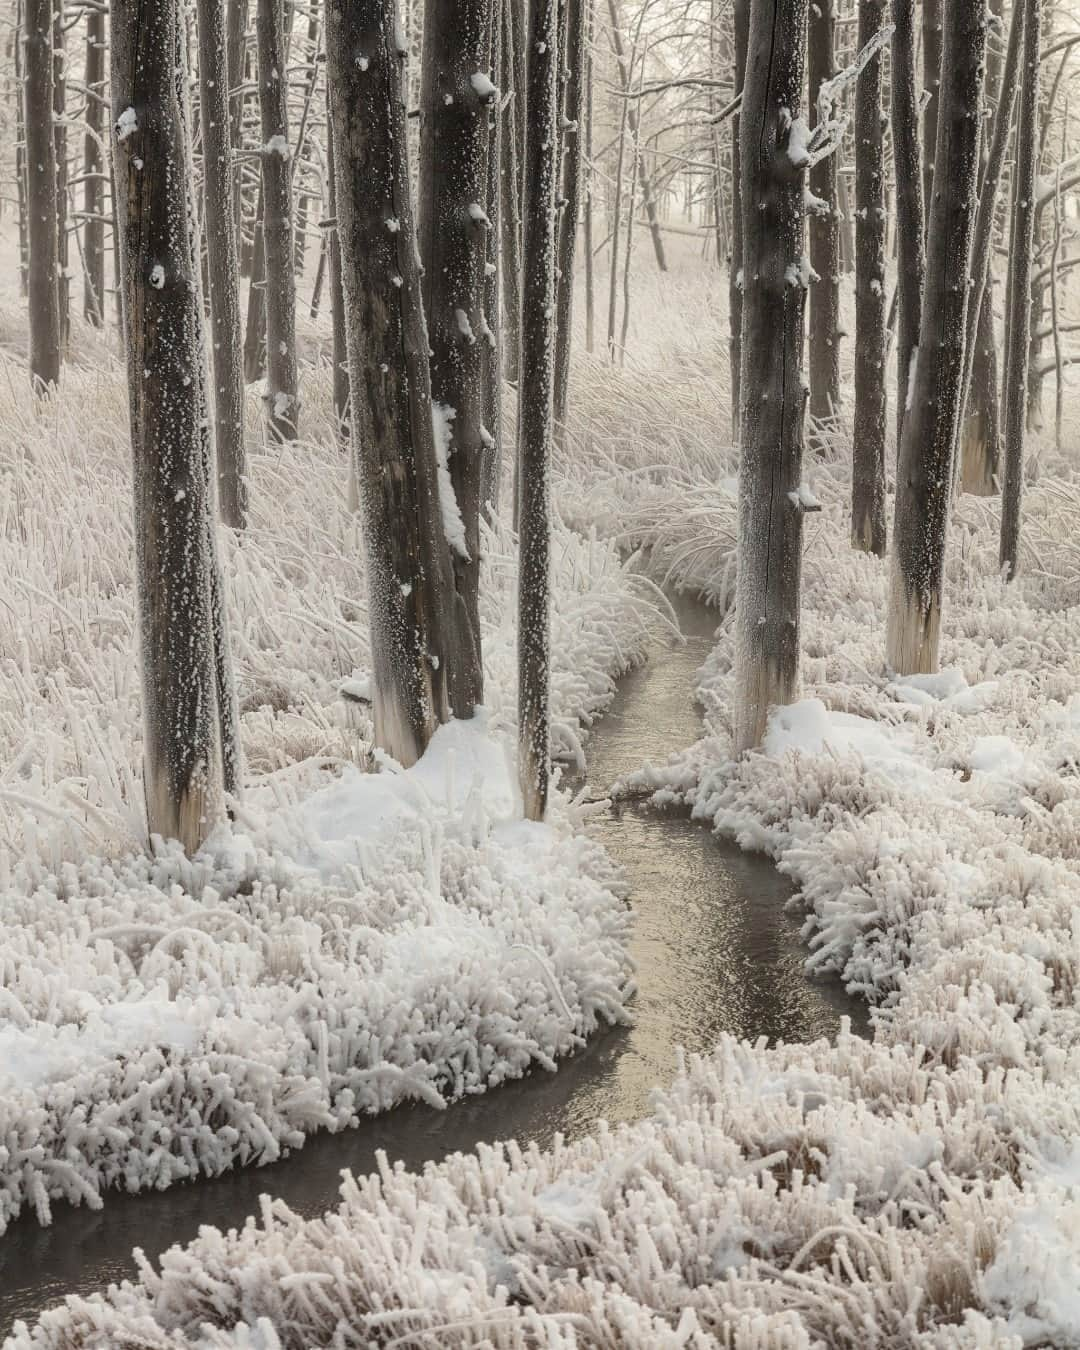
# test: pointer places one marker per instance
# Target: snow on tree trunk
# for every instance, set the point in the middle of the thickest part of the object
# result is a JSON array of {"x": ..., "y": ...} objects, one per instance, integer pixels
[
  {"x": 741, "y": 23},
  {"x": 456, "y": 95},
  {"x": 235, "y": 48},
  {"x": 535, "y": 408},
  {"x": 218, "y": 227},
  {"x": 94, "y": 172},
  {"x": 932, "y": 420},
  {"x": 574, "y": 67},
  {"x": 339, "y": 350},
  {"x": 911, "y": 256},
  {"x": 282, "y": 397},
  {"x": 931, "y": 49},
  {"x": 43, "y": 284},
  {"x": 1019, "y": 305},
  {"x": 410, "y": 589},
  {"x": 186, "y": 683},
  {"x": 868, "y": 458},
  {"x": 824, "y": 327},
  {"x": 772, "y": 497},
  {"x": 60, "y": 144},
  {"x": 492, "y": 349},
  {"x": 510, "y": 206},
  {"x": 255, "y": 323}
]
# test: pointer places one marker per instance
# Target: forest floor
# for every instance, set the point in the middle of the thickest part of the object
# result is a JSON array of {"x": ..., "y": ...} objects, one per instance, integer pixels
[{"x": 922, "y": 1188}]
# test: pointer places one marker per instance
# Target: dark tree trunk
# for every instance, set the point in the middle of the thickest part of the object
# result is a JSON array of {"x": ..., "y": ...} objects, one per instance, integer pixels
[
  {"x": 218, "y": 228},
  {"x": 410, "y": 589},
  {"x": 771, "y": 496},
  {"x": 535, "y": 410},
  {"x": 824, "y": 328},
  {"x": 94, "y": 173},
  {"x": 868, "y": 461},
  {"x": 235, "y": 47},
  {"x": 510, "y": 204},
  {"x": 1018, "y": 311},
  {"x": 648, "y": 196},
  {"x": 931, "y": 46},
  {"x": 187, "y": 699},
  {"x": 911, "y": 257},
  {"x": 255, "y": 325},
  {"x": 279, "y": 297},
  {"x": 455, "y": 99},
  {"x": 60, "y": 138},
  {"x": 339, "y": 351},
  {"x": 492, "y": 297},
  {"x": 574, "y": 65},
  {"x": 20, "y": 150},
  {"x": 741, "y": 21},
  {"x": 43, "y": 284},
  {"x": 932, "y": 423},
  {"x": 587, "y": 214}
]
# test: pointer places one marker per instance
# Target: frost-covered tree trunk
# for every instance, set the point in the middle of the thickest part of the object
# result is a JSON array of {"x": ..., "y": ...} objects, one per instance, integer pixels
[
  {"x": 410, "y": 589},
  {"x": 218, "y": 227},
  {"x": 1019, "y": 300},
  {"x": 868, "y": 458},
  {"x": 931, "y": 50},
  {"x": 255, "y": 323},
  {"x": 43, "y": 285},
  {"x": 932, "y": 422},
  {"x": 282, "y": 396},
  {"x": 510, "y": 175},
  {"x": 824, "y": 327},
  {"x": 339, "y": 351},
  {"x": 94, "y": 173},
  {"x": 771, "y": 495},
  {"x": 235, "y": 48},
  {"x": 60, "y": 146},
  {"x": 574, "y": 65},
  {"x": 456, "y": 96},
  {"x": 910, "y": 252},
  {"x": 492, "y": 298},
  {"x": 184, "y": 702},
  {"x": 535, "y": 409},
  {"x": 19, "y": 38},
  {"x": 741, "y": 23}
]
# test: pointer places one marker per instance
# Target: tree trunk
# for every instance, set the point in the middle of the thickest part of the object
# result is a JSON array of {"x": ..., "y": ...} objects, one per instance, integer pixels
[
  {"x": 574, "y": 65},
  {"x": 868, "y": 461},
  {"x": 218, "y": 228},
  {"x": 235, "y": 45},
  {"x": 455, "y": 98},
  {"x": 43, "y": 284},
  {"x": 1021, "y": 250},
  {"x": 255, "y": 325},
  {"x": 911, "y": 257},
  {"x": 410, "y": 589},
  {"x": 771, "y": 498},
  {"x": 824, "y": 325},
  {"x": 535, "y": 410},
  {"x": 282, "y": 399},
  {"x": 177, "y": 588},
  {"x": 60, "y": 138},
  {"x": 510, "y": 205},
  {"x": 931, "y": 46},
  {"x": 587, "y": 213},
  {"x": 20, "y": 150},
  {"x": 94, "y": 172},
  {"x": 741, "y": 21},
  {"x": 931, "y": 426},
  {"x": 491, "y": 472},
  {"x": 339, "y": 350}
]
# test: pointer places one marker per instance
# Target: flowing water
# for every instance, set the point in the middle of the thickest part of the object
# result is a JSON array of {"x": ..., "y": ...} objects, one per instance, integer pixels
[{"x": 715, "y": 951}]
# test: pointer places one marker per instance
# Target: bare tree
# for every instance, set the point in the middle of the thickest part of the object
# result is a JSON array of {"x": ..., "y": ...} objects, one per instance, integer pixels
[
  {"x": 868, "y": 458},
  {"x": 43, "y": 284},
  {"x": 455, "y": 98},
  {"x": 648, "y": 196},
  {"x": 1018, "y": 306},
  {"x": 219, "y": 229},
  {"x": 911, "y": 256},
  {"x": 60, "y": 145},
  {"x": 188, "y": 707},
  {"x": 94, "y": 174},
  {"x": 535, "y": 409},
  {"x": 574, "y": 66},
  {"x": 824, "y": 328},
  {"x": 279, "y": 296},
  {"x": 235, "y": 52},
  {"x": 932, "y": 421},
  {"x": 410, "y": 588},
  {"x": 741, "y": 23},
  {"x": 931, "y": 48},
  {"x": 772, "y": 498}
]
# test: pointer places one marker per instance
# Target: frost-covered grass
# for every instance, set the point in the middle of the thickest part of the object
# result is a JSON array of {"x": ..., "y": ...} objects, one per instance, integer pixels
[{"x": 355, "y": 940}]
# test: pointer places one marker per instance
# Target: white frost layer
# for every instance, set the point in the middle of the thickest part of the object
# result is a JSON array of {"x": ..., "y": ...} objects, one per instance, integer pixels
[{"x": 442, "y": 417}]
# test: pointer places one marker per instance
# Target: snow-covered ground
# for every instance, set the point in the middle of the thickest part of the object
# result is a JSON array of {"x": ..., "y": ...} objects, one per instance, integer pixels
[{"x": 922, "y": 1189}]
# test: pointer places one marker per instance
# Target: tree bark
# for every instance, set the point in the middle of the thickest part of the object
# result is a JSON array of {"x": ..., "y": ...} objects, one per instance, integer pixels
[
  {"x": 235, "y": 46},
  {"x": 931, "y": 46},
  {"x": 186, "y": 694},
  {"x": 410, "y": 589},
  {"x": 1021, "y": 252},
  {"x": 455, "y": 98},
  {"x": 771, "y": 499},
  {"x": 60, "y": 138},
  {"x": 282, "y": 396},
  {"x": 824, "y": 326},
  {"x": 911, "y": 257},
  {"x": 868, "y": 467},
  {"x": 931, "y": 426},
  {"x": 574, "y": 65},
  {"x": 510, "y": 204},
  {"x": 218, "y": 228},
  {"x": 43, "y": 283},
  {"x": 94, "y": 172},
  {"x": 535, "y": 410},
  {"x": 255, "y": 323},
  {"x": 339, "y": 350},
  {"x": 741, "y": 21},
  {"x": 491, "y": 472}
]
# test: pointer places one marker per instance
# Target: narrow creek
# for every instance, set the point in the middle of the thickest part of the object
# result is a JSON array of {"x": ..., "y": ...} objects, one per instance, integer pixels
[{"x": 715, "y": 951}]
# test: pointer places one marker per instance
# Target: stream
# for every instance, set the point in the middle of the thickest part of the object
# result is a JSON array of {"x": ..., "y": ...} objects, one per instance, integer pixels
[{"x": 715, "y": 950}]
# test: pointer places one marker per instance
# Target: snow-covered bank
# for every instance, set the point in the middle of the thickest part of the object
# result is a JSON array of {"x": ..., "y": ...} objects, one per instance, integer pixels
[{"x": 355, "y": 940}]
